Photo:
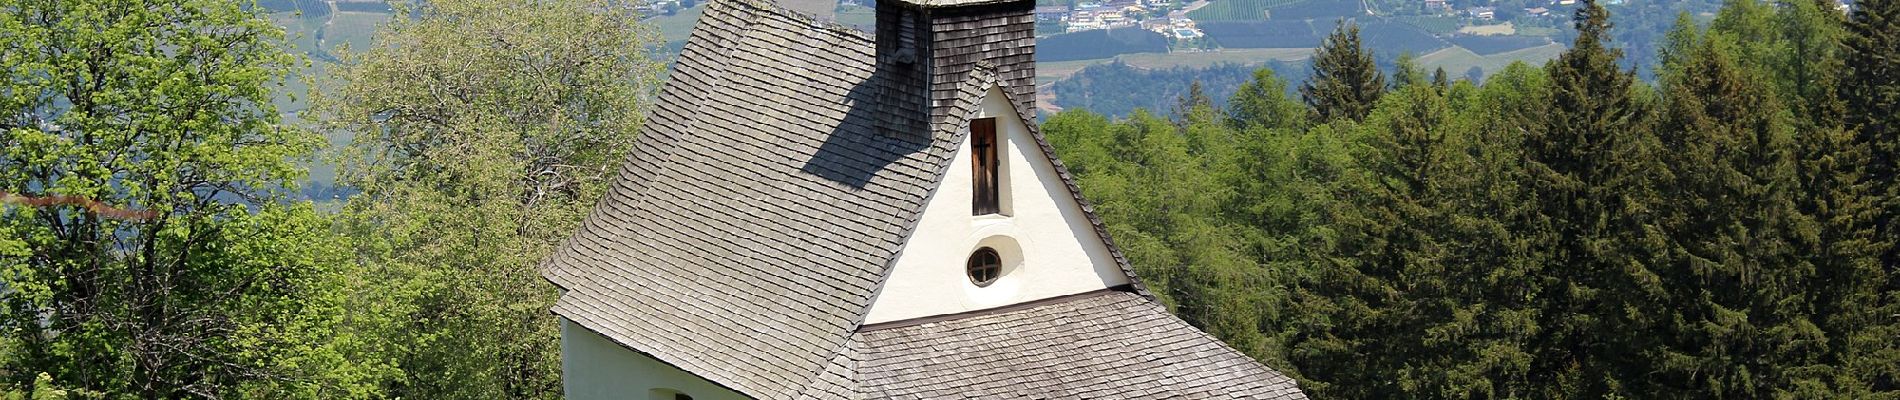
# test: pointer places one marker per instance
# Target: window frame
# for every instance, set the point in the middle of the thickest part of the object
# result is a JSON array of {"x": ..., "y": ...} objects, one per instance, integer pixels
[
  {"x": 993, "y": 270},
  {"x": 985, "y": 167}
]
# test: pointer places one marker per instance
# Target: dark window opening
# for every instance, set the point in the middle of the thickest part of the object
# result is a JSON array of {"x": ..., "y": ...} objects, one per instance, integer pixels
[
  {"x": 983, "y": 156},
  {"x": 984, "y": 266}
]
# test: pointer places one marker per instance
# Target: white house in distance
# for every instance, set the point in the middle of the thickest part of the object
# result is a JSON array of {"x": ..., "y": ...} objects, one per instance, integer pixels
[{"x": 815, "y": 212}]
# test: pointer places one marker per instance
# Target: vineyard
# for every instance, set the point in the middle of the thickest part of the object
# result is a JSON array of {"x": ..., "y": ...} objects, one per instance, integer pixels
[
  {"x": 1316, "y": 9},
  {"x": 1263, "y": 34},
  {"x": 1391, "y": 38},
  {"x": 1237, "y": 10},
  {"x": 1435, "y": 24}
]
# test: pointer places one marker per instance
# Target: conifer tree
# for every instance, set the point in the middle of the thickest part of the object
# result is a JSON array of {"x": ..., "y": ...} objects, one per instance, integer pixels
[
  {"x": 1390, "y": 265},
  {"x": 1345, "y": 82},
  {"x": 1440, "y": 80},
  {"x": 1736, "y": 277},
  {"x": 1871, "y": 99},
  {"x": 1590, "y": 170},
  {"x": 1194, "y": 106},
  {"x": 1406, "y": 72}
]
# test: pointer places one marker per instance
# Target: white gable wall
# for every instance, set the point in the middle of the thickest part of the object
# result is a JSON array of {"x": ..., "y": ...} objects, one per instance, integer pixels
[
  {"x": 593, "y": 367},
  {"x": 1048, "y": 247}
]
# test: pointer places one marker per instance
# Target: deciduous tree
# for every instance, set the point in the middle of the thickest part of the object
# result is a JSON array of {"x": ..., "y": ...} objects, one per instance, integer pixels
[
  {"x": 484, "y": 131},
  {"x": 148, "y": 248}
]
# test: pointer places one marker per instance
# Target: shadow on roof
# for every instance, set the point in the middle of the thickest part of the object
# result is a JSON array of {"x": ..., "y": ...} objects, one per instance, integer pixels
[{"x": 886, "y": 122}]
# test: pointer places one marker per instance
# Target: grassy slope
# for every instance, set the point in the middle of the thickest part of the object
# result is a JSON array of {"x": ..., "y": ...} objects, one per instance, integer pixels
[{"x": 1457, "y": 60}]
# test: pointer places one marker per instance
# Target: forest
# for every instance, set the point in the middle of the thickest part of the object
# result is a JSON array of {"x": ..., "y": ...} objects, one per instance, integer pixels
[
  {"x": 1572, "y": 230},
  {"x": 1558, "y": 232}
]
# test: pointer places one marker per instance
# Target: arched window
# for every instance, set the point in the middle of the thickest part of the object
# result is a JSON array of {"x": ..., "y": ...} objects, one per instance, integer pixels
[
  {"x": 668, "y": 394},
  {"x": 984, "y": 266}
]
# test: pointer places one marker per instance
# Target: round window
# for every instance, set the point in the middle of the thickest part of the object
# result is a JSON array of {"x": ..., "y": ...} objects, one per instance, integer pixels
[{"x": 984, "y": 266}]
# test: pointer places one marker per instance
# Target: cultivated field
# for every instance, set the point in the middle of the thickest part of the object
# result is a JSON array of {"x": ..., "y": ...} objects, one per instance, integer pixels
[{"x": 1457, "y": 60}]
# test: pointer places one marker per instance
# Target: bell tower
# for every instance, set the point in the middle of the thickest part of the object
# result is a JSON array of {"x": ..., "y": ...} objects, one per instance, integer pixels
[{"x": 927, "y": 48}]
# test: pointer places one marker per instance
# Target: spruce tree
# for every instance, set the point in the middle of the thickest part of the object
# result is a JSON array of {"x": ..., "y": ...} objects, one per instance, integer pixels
[
  {"x": 1345, "y": 83},
  {"x": 1390, "y": 265},
  {"x": 1871, "y": 96},
  {"x": 1737, "y": 281},
  {"x": 1590, "y": 170}
]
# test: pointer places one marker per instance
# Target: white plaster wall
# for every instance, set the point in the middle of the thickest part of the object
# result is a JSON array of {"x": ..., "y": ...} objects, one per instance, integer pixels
[
  {"x": 1048, "y": 247},
  {"x": 593, "y": 367}
]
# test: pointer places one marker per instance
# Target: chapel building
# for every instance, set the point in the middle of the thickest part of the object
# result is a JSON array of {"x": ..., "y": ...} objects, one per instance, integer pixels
[{"x": 814, "y": 212}]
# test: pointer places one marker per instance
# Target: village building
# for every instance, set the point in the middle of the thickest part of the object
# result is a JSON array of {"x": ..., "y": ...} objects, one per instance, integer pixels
[
  {"x": 813, "y": 212},
  {"x": 1483, "y": 13},
  {"x": 1051, "y": 13}
]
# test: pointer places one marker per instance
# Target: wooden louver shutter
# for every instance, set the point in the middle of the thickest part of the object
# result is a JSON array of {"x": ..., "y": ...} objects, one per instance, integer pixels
[{"x": 983, "y": 161}]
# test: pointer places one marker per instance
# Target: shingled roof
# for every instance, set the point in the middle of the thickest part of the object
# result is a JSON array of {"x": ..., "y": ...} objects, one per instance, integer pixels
[
  {"x": 762, "y": 206},
  {"x": 1095, "y": 346}
]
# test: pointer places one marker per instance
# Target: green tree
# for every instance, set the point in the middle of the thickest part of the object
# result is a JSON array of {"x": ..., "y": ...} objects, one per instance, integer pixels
[
  {"x": 1870, "y": 92},
  {"x": 1406, "y": 72},
  {"x": 149, "y": 248},
  {"x": 1591, "y": 170},
  {"x": 484, "y": 131},
  {"x": 1345, "y": 82},
  {"x": 1736, "y": 278},
  {"x": 1440, "y": 80},
  {"x": 43, "y": 388},
  {"x": 1390, "y": 259},
  {"x": 1195, "y": 106},
  {"x": 1261, "y": 102}
]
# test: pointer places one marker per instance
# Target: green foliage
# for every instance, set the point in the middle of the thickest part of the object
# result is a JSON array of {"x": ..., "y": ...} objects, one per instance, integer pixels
[
  {"x": 1563, "y": 232},
  {"x": 1117, "y": 88},
  {"x": 1345, "y": 83},
  {"x": 1406, "y": 72},
  {"x": 44, "y": 389},
  {"x": 1870, "y": 94},
  {"x": 476, "y": 154},
  {"x": 1262, "y": 102},
  {"x": 192, "y": 275},
  {"x": 1592, "y": 171},
  {"x": 1743, "y": 328}
]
